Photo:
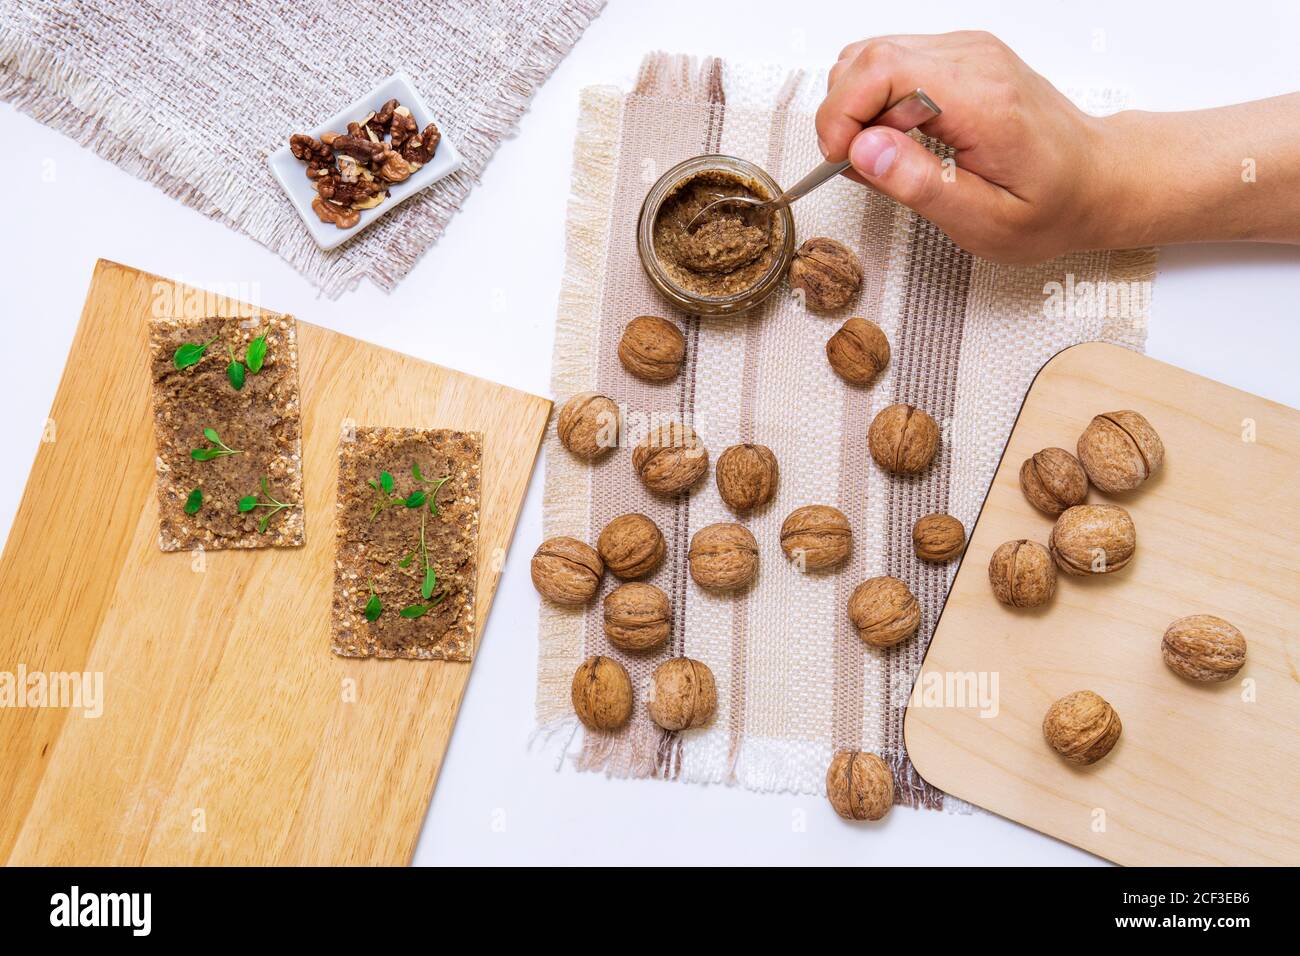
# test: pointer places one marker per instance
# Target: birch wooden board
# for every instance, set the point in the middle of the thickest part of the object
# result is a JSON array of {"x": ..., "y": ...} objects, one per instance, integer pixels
[
  {"x": 1203, "y": 773},
  {"x": 230, "y": 734}
]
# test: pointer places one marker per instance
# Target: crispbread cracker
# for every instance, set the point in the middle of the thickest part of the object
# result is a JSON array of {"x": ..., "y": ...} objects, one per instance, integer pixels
[
  {"x": 372, "y": 547},
  {"x": 262, "y": 421}
]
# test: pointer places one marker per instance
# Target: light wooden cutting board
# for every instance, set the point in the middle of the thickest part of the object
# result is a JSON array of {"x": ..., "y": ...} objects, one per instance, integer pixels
[
  {"x": 230, "y": 734},
  {"x": 1203, "y": 774}
]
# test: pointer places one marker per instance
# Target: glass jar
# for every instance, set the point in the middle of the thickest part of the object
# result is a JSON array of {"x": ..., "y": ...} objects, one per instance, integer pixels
[{"x": 758, "y": 182}]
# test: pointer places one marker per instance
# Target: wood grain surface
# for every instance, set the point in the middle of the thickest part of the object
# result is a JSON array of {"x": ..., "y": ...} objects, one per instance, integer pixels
[
  {"x": 229, "y": 734},
  {"x": 1203, "y": 773}
]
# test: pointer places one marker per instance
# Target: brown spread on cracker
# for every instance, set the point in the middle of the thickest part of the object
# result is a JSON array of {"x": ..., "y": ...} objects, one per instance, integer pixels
[
  {"x": 228, "y": 427},
  {"x": 406, "y": 557}
]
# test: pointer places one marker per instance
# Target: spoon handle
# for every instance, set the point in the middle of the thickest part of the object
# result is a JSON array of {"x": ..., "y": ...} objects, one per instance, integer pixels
[{"x": 905, "y": 114}]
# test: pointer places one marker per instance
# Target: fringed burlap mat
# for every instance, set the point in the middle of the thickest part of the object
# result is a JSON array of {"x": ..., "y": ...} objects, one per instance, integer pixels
[
  {"x": 794, "y": 680},
  {"x": 193, "y": 96}
]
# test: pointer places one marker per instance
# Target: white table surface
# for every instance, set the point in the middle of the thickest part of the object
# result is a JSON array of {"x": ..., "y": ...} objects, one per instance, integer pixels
[{"x": 1228, "y": 312}]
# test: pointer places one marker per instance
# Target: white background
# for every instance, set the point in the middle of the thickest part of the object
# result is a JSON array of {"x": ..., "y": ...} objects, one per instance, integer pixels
[{"x": 1226, "y": 312}]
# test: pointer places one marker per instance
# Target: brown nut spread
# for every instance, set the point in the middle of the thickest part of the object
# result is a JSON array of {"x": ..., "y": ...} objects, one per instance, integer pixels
[{"x": 730, "y": 250}]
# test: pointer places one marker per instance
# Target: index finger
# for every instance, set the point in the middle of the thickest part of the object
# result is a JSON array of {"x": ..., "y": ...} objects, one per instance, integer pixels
[{"x": 860, "y": 92}]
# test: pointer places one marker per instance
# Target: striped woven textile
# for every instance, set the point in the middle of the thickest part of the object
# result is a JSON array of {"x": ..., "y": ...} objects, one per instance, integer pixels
[{"x": 794, "y": 680}]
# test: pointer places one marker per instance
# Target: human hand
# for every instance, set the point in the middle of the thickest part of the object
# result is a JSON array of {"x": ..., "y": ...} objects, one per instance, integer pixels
[{"x": 1028, "y": 176}]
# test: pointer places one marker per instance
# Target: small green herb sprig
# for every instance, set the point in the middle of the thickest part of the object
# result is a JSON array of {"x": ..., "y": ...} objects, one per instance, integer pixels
[
  {"x": 435, "y": 483},
  {"x": 250, "y": 502},
  {"x": 386, "y": 497},
  {"x": 254, "y": 356},
  {"x": 194, "y": 502},
  {"x": 217, "y": 448},
  {"x": 374, "y": 607},
  {"x": 192, "y": 353},
  {"x": 235, "y": 370}
]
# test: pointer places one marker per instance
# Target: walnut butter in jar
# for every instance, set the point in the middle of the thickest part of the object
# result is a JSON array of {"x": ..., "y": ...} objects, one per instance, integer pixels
[{"x": 732, "y": 259}]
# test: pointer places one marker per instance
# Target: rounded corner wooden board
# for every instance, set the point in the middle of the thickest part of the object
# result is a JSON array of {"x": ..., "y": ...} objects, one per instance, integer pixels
[
  {"x": 229, "y": 734},
  {"x": 1203, "y": 774}
]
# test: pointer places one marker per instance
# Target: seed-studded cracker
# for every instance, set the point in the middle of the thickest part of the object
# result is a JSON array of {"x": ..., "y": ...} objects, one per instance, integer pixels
[
  {"x": 261, "y": 421},
  {"x": 389, "y": 535}
]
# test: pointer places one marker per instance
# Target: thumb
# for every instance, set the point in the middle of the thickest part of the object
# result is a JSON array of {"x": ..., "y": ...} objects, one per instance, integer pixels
[{"x": 901, "y": 168}]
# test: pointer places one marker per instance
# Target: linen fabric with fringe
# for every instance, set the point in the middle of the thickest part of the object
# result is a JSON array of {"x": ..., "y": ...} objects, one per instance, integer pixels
[
  {"x": 194, "y": 96},
  {"x": 794, "y": 681}
]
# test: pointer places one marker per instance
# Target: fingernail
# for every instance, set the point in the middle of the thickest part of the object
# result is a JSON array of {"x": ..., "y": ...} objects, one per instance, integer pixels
[{"x": 873, "y": 152}]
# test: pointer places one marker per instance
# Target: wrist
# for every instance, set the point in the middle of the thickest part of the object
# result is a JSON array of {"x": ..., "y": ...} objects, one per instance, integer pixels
[{"x": 1128, "y": 198}]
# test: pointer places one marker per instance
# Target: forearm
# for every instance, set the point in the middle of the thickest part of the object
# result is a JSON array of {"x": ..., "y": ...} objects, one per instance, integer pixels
[{"x": 1210, "y": 175}]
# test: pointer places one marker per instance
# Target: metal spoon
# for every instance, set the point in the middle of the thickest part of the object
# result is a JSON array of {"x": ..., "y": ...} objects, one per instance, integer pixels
[{"x": 905, "y": 114}]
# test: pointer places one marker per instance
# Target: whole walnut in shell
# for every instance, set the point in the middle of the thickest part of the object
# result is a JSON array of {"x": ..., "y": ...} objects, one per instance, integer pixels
[
  {"x": 1022, "y": 574},
  {"x": 827, "y": 272},
  {"x": 746, "y": 476},
  {"x": 938, "y": 537},
  {"x": 1053, "y": 480},
  {"x": 682, "y": 694},
  {"x": 588, "y": 425},
  {"x": 816, "y": 536},
  {"x": 602, "y": 693},
  {"x": 638, "y": 616},
  {"x": 1120, "y": 450},
  {"x": 566, "y": 571},
  {"x": 1082, "y": 727},
  {"x": 859, "y": 785},
  {"x": 884, "y": 611},
  {"x": 652, "y": 348},
  {"x": 1093, "y": 539},
  {"x": 903, "y": 439},
  {"x": 631, "y": 546},
  {"x": 858, "y": 352},
  {"x": 670, "y": 459},
  {"x": 1204, "y": 648},
  {"x": 723, "y": 557}
]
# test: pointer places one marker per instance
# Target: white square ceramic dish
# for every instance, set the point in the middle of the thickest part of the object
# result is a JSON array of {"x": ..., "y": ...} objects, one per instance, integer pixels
[{"x": 292, "y": 173}]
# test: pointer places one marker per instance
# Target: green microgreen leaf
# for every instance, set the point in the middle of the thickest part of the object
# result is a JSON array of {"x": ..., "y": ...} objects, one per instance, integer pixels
[
  {"x": 249, "y": 502},
  {"x": 190, "y": 354},
  {"x": 374, "y": 607},
  {"x": 194, "y": 502},
  {"x": 384, "y": 498},
  {"x": 256, "y": 354},
  {"x": 235, "y": 372},
  {"x": 433, "y": 495},
  {"x": 419, "y": 610},
  {"x": 217, "y": 450}
]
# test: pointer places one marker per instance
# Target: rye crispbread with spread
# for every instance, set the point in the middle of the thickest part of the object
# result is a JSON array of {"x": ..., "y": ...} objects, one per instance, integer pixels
[
  {"x": 261, "y": 420},
  {"x": 378, "y": 543}
]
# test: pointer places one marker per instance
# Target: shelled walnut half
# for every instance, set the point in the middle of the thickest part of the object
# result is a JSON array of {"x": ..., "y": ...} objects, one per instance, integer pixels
[{"x": 352, "y": 171}]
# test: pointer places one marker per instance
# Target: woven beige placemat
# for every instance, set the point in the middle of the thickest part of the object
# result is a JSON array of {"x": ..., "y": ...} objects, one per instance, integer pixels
[
  {"x": 193, "y": 96},
  {"x": 794, "y": 680}
]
